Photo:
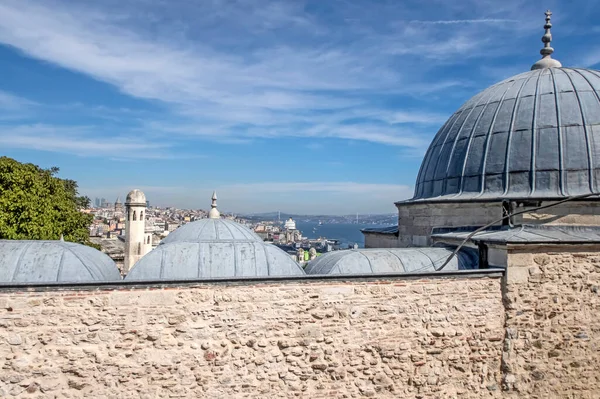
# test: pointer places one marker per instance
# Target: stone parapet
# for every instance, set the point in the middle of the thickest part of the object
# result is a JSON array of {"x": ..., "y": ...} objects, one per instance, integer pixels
[
  {"x": 420, "y": 337},
  {"x": 552, "y": 335}
]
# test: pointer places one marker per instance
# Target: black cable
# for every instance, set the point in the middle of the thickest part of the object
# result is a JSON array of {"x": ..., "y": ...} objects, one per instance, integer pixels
[{"x": 537, "y": 208}]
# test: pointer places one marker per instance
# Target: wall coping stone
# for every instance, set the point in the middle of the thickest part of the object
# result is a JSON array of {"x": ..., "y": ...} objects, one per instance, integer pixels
[{"x": 306, "y": 279}]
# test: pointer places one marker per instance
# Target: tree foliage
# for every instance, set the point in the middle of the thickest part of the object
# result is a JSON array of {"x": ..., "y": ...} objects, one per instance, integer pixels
[{"x": 37, "y": 205}]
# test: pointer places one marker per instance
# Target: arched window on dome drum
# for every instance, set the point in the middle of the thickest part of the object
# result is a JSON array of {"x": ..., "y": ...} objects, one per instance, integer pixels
[
  {"x": 128, "y": 214},
  {"x": 141, "y": 215},
  {"x": 134, "y": 218}
]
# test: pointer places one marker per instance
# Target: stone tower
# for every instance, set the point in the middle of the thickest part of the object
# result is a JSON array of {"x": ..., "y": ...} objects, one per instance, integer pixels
[
  {"x": 137, "y": 242},
  {"x": 118, "y": 205}
]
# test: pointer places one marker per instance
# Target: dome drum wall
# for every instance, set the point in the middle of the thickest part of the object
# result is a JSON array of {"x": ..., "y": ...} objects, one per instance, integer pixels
[{"x": 533, "y": 136}]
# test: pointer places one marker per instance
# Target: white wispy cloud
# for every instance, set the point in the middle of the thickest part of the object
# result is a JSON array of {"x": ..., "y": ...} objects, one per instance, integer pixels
[
  {"x": 215, "y": 67},
  {"x": 464, "y": 21},
  {"x": 11, "y": 102},
  {"x": 79, "y": 140}
]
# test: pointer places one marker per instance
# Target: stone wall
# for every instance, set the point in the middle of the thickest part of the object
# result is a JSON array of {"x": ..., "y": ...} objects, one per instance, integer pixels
[
  {"x": 434, "y": 337},
  {"x": 552, "y": 323},
  {"x": 570, "y": 213},
  {"x": 417, "y": 220},
  {"x": 378, "y": 240}
]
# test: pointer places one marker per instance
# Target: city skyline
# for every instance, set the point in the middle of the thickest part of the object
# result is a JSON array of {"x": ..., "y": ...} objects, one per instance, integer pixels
[{"x": 297, "y": 106}]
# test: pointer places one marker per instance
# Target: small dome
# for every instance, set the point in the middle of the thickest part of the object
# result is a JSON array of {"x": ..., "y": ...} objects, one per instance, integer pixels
[
  {"x": 207, "y": 230},
  {"x": 400, "y": 260},
  {"x": 136, "y": 197},
  {"x": 535, "y": 135},
  {"x": 53, "y": 261},
  {"x": 214, "y": 259}
]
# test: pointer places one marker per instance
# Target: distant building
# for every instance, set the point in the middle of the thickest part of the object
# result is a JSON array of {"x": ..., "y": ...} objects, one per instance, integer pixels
[
  {"x": 118, "y": 206},
  {"x": 290, "y": 224}
]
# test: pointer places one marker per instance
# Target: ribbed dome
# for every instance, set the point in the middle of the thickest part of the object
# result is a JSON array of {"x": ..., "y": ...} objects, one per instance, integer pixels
[
  {"x": 211, "y": 230},
  {"x": 214, "y": 259},
  {"x": 535, "y": 135},
  {"x": 397, "y": 260},
  {"x": 24, "y": 261},
  {"x": 213, "y": 248}
]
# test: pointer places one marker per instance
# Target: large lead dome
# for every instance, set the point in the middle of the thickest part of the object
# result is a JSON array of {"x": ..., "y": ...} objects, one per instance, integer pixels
[{"x": 535, "y": 135}]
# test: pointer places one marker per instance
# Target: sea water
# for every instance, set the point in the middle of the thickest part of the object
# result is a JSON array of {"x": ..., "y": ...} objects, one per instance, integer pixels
[{"x": 346, "y": 233}]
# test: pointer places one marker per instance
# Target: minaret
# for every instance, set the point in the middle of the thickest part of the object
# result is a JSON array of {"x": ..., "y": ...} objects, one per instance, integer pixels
[
  {"x": 214, "y": 212},
  {"x": 136, "y": 244},
  {"x": 547, "y": 61}
]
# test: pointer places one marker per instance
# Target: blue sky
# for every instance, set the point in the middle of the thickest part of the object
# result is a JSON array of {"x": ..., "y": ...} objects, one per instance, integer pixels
[{"x": 302, "y": 106}]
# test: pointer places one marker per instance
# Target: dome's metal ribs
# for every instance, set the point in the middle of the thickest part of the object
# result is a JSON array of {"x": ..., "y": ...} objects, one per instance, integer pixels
[
  {"x": 561, "y": 161},
  {"x": 438, "y": 158},
  {"x": 532, "y": 179},
  {"x": 369, "y": 261},
  {"x": 421, "y": 175},
  {"x": 427, "y": 256},
  {"x": 256, "y": 258},
  {"x": 95, "y": 274},
  {"x": 210, "y": 260},
  {"x": 510, "y": 133},
  {"x": 162, "y": 264},
  {"x": 200, "y": 263},
  {"x": 61, "y": 264},
  {"x": 488, "y": 139},
  {"x": 19, "y": 259},
  {"x": 476, "y": 104},
  {"x": 399, "y": 259},
  {"x": 470, "y": 139},
  {"x": 235, "y": 254},
  {"x": 585, "y": 127},
  {"x": 453, "y": 120},
  {"x": 268, "y": 259},
  {"x": 201, "y": 231},
  {"x": 216, "y": 229}
]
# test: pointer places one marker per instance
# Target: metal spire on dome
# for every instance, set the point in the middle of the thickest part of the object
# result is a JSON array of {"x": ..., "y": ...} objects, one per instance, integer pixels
[
  {"x": 214, "y": 212},
  {"x": 547, "y": 61}
]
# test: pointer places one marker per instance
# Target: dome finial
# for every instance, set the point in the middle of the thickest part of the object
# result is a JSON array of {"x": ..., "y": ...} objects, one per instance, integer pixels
[
  {"x": 547, "y": 50},
  {"x": 214, "y": 212}
]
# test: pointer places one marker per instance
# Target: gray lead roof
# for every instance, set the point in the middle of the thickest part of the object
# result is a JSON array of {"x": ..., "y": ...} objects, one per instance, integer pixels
[
  {"x": 213, "y": 259},
  {"x": 525, "y": 234},
  {"x": 535, "y": 135},
  {"x": 395, "y": 260},
  {"x": 211, "y": 230},
  {"x": 24, "y": 261}
]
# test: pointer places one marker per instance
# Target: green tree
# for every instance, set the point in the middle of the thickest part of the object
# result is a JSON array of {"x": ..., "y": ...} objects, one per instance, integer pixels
[{"x": 37, "y": 205}]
